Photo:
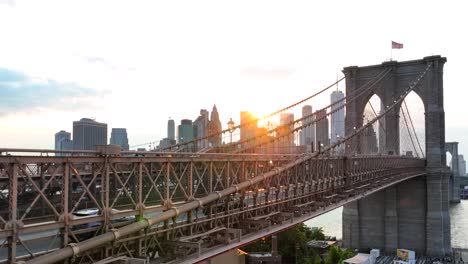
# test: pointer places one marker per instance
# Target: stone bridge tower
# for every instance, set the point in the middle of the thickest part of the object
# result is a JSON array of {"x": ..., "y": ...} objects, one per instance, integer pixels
[{"x": 413, "y": 214}]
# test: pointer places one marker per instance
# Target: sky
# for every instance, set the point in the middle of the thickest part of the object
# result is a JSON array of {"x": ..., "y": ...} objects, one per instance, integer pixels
[{"x": 134, "y": 64}]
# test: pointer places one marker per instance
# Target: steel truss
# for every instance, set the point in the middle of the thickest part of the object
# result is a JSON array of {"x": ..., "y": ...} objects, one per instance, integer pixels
[{"x": 41, "y": 195}]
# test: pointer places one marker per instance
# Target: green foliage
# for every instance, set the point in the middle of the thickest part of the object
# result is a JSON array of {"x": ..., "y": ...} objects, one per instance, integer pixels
[
  {"x": 317, "y": 234},
  {"x": 292, "y": 243},
  {"x": 262, "y": 245},
  {"x": 336, "y": 255}
]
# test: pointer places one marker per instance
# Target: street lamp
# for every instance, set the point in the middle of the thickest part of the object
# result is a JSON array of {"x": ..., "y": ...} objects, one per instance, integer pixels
[{"x": 231, "y": 127}]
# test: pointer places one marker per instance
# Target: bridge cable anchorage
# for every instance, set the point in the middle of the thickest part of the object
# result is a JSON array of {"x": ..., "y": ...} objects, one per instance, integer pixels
[
  {"x": 414, "y": 130},
  {"x": 357, "y": 95},
  {"x": 105, "y": 238},
  {"x": 245, "y": 124}
]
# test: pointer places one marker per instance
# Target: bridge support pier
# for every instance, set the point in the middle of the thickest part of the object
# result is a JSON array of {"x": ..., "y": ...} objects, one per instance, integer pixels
[{"x": 412, "y": 214}]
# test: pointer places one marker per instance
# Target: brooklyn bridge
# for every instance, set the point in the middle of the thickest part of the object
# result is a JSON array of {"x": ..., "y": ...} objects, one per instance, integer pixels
[{"x": 182, "y": 206}]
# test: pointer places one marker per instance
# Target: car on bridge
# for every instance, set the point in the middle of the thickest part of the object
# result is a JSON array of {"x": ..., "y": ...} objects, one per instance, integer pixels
[{"x": 87, "y": 230}]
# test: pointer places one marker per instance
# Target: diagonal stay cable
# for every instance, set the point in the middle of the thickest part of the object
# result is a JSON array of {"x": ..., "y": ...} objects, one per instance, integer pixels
[
  {"x": 409, "y": 132},
  {"x": 414, "y": 131}
]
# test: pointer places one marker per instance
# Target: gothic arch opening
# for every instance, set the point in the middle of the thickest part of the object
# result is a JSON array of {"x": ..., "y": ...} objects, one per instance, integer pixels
[
  {"x": 371, "y": 139},
  {"x": 449, "y": 159},
  {"x": 412, "y": 126}
]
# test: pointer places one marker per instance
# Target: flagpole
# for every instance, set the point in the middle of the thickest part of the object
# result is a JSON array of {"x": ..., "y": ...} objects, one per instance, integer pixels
[{"x": 391, "y": 52}]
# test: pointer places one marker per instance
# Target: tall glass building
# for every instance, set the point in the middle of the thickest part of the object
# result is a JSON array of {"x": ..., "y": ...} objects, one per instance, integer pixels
[
  {"x": 87, "y": 133},
  {"x": 119, "y": 137}
]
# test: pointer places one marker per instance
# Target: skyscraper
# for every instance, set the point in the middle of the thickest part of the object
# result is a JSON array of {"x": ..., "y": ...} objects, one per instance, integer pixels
[
  {"x": 308, "y": 130},
  {"x": 215, "y": 128},
  {"x": 461, "y": 165},
  {"x": 287, "y": 138},
  {"x": 321, "y": 133},
  {"x": 185, "y": 133},
  {"x": 201, "y": 128},
  {"x": 337, "y": 120},
  {"x": 248, "y": 127},
  {"x": 88, "y": 133},
  {"x": 119, "y": 137},
  {"x": 369, "y": 141},
  {"x": 63, "y": 141},
  {"x": 171, "y": 129}
]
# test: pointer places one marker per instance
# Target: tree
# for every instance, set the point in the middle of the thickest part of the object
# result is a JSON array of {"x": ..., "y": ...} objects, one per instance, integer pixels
[
  {"x": 318, "y": 234},
  {"x": 336, "y": 255}
]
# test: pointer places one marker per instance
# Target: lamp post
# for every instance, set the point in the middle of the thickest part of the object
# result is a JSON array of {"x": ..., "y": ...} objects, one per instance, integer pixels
[{"x": 231, "y": 127}]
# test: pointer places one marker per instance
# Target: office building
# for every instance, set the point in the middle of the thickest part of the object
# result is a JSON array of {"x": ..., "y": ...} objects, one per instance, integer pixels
[
  {"x": 119, "y": 137},
  {"x": 185, "y": 134},
  {"x": 63, "y": 142},
  {"x": 337, "y": 120},
  {"x": 307, "y": 136},
  {"x": 171, "y": 129},
  {"x": 321, "y": 129},
  {"x": 285, "y": 132},
  {"x": 248, "y": 127},
  {"x": 87, "y": 133},
  {"x": 369, "y": 141},
  {"x": 461, "y": 165},
  {"x": 215, "y": 128},
  {"x": 166, "y": 142},
  {"x": 201, "y": 129}
]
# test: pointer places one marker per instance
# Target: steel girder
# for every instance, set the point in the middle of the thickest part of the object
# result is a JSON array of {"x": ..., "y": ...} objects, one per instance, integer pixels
[{"x": 45, "y": 193}]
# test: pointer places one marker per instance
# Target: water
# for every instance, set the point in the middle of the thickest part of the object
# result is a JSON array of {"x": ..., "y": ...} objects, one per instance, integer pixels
[
  {"x": 332, "y": 223},
  {"x": 459, "y": 224}
]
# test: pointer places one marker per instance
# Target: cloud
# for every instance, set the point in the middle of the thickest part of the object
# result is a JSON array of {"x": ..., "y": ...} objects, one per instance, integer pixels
[
  {"x": 105, "y": 63},
  {"x": 272, "y": 73},
  {"x": 10, "y": 3},
  {"x": 22, "y": 93}
]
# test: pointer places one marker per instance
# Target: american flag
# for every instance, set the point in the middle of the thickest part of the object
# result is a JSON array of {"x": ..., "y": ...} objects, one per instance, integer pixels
[{"x": 396, "y": 45}]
